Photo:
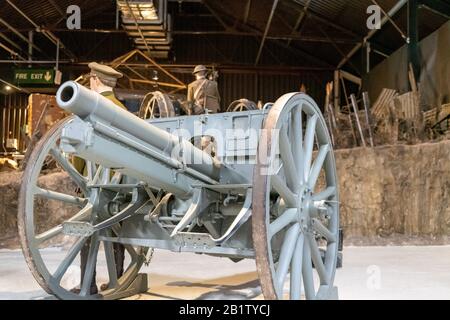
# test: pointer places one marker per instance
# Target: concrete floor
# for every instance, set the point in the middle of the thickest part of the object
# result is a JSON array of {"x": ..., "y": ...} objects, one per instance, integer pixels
[{"x": 368, "y": 273}]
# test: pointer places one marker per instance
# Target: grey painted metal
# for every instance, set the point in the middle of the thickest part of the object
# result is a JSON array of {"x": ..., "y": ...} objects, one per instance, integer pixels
[
  {"x": 83, "y": 102},
  {"x": 135, "y": 192},
  {"x": 32, "y": 241},
  {"x": 300, "y": 227}
]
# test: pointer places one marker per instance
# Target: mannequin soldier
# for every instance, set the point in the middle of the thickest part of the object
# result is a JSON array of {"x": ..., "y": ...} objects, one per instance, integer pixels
[
  {"x": 102, "y": 79},
  {"x": 203, "y": 97},
  {"x": 203, "y": 94}
]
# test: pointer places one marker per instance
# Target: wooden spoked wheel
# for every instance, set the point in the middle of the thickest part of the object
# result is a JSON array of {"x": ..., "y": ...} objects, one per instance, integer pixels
[
  {"x": 242, "y": 105},
  {"x": 73, "y": 200},
  {"x": 156, "y": 105},
  {"x": 295, "y": 211}
]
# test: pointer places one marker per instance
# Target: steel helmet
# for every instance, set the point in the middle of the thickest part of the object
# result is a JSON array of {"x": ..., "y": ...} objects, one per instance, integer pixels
[{"x": 199, "y": 68}]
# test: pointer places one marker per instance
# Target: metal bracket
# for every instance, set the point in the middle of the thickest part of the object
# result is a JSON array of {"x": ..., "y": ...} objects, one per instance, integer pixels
[
  {"x": 80, "y": 228},
  {"x": 194, "y": 239},
  {"x": 76, "y": 132},
  {"x": 205, "y": 239},
  {"x": 240, "y": 219},
  {"x": 199, "y": 203}
]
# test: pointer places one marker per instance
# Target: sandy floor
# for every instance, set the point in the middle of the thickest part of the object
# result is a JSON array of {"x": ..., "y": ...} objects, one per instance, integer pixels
[{"x": 368, "y": 273}]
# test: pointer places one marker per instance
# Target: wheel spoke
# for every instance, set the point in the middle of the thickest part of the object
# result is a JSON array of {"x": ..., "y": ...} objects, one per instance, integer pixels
[
  {"x": 90, "y": 265},
  {"x": 288, "y": 160},
  {"x": 287, "y": 251},
  {"x": 282, "y": 221},
  {"x": 79, "y": 180},
  {"x": 90, "y": 169},
  {"x": 98, "y": 171},
  {"x": 323, "y": 231},
  {"x": 53, "y": 232},
  {"x": 296, "y": 269},
  {"x": 318, "y": 164},
  {"x": 111, "y": 263},
  {"x": 325, "y": 194},
  {"x": 297, "y": 138},
  {"x": 307, "y": 272},
  {"x": 116, "y": 178},
  {"x": 53, "y": 195},
  {"x": 106, "y": 174},
  {"x": 83, "y": 214},
  {"x": 152, "y": 108},
  {"x": 317, "y": 260},
  {"x": 309, "y": 143},
  {"x": 71, "y": 255},
  {"x": 49, "y": 234},
  {"x": 283, "y": 190}
]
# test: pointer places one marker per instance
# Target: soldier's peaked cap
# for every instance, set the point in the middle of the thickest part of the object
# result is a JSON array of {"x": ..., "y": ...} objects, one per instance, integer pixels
[{"x": 104, "y": 72}]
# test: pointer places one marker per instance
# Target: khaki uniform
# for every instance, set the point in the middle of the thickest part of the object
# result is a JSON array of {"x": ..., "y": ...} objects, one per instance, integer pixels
[
  {"x": 203, "y": 93},
  {"x": 110, "y": 95}
]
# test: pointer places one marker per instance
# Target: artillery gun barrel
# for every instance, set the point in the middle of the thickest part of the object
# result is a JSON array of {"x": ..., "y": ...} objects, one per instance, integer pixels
[
  {"x": 114, "y": 138},
  {"x": 88, "y": 104}
]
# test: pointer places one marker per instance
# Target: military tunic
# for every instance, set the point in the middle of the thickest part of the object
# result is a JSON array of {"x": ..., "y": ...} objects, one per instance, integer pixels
[
  {"x": 204, "y": 93},
  {"x": 110, "y": 95}
]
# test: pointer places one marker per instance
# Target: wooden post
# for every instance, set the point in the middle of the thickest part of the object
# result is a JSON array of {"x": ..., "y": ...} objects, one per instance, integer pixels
[
  {"x": 366, "y": 102},
  {"x": 355, "y": 109},
  {"x": 336, "y": 87},
  {"x": 349, "y": 113},
  {"x": 329, "y": 90}
]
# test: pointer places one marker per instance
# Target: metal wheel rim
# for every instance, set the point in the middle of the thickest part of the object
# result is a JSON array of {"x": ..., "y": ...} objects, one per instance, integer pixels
[
  {"x": 28, "y": 239},
  {"x": 261, "y": 224}
]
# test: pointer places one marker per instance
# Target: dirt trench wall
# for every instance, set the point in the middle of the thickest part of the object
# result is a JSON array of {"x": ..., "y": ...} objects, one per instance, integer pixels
[
  {"x": 397, "y": 193},
  {"x": 50, "y": 213},
  {"x": 389, "y": 195}
]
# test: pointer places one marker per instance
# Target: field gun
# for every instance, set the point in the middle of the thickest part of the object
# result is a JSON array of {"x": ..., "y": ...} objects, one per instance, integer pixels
[{"x": 258, "y": 184}]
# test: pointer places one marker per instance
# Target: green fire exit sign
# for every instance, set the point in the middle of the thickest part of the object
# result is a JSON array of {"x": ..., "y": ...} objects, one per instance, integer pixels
[{"x": 34, "y": 76}]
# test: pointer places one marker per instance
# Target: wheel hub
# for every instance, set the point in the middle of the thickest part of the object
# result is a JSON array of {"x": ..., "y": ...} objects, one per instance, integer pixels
[{"x": 304, "y": 205}]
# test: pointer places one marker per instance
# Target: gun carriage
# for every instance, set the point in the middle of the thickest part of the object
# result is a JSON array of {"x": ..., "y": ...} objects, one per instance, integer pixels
[{"x": 268, "y": 191}]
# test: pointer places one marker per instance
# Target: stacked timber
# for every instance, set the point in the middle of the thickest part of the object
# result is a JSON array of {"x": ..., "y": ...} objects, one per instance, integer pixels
[
  {"x": 407, "y": 108},
  {"x": 385, "y": 118},
  {"x": 437, "y": 121},
  {"x": 381, "y": 107}
]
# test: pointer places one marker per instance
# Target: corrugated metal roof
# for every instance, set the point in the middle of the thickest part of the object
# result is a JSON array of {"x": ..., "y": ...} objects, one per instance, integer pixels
[{"x": 101, "y": 14}]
